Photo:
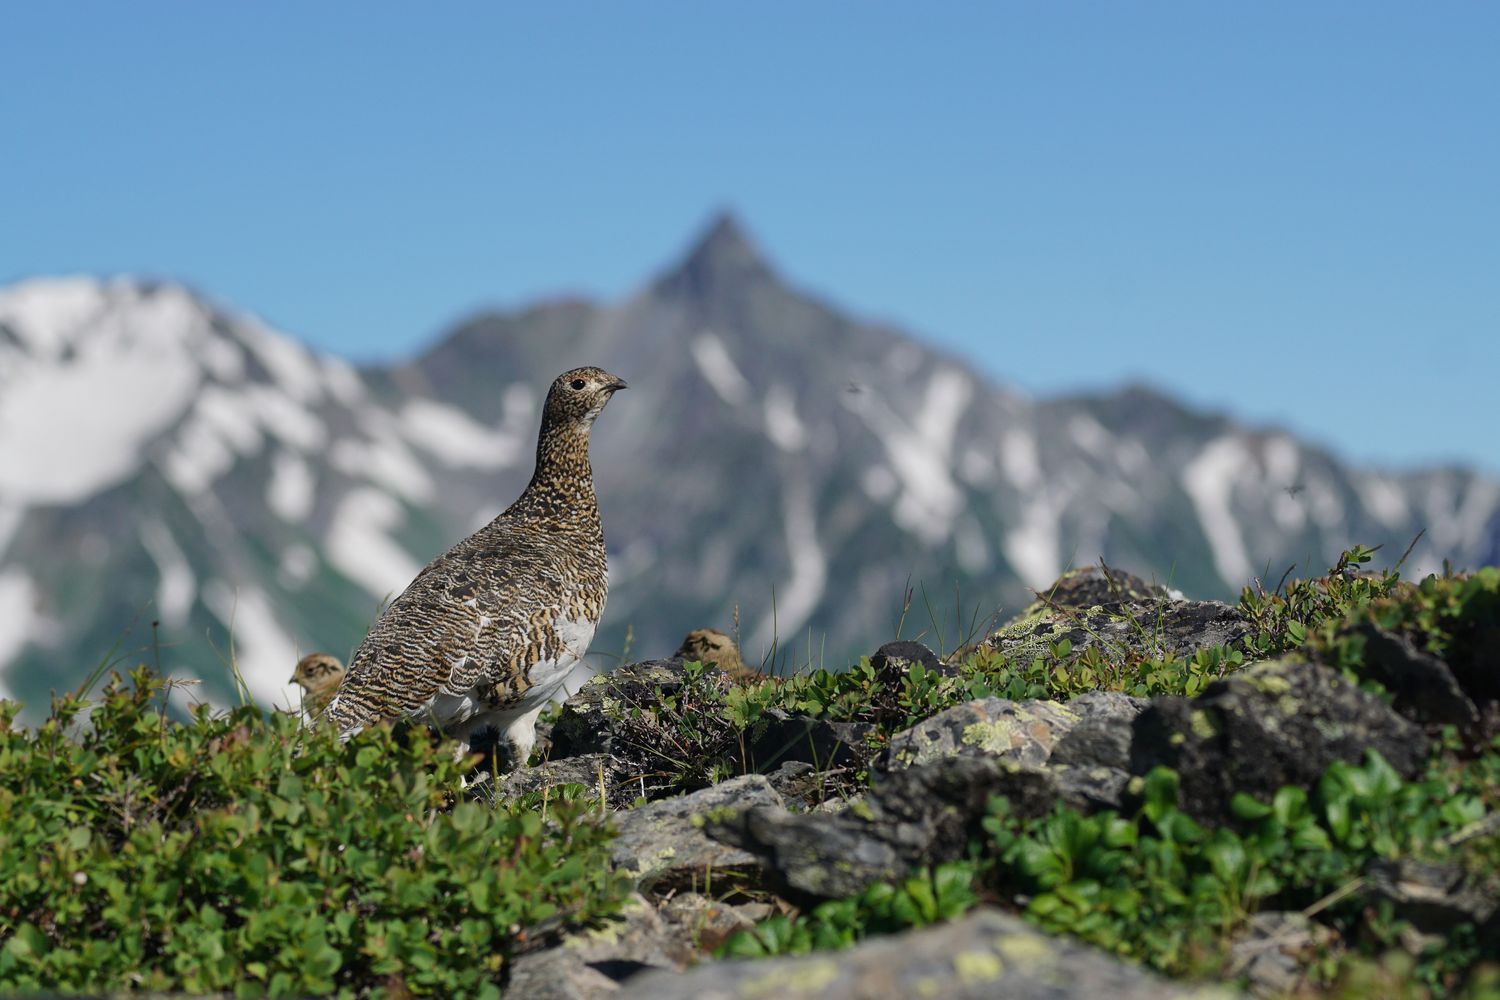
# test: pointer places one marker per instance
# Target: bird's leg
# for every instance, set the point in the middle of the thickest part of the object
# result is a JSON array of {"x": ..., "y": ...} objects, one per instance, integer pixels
[{"x": 521, "y": 736}]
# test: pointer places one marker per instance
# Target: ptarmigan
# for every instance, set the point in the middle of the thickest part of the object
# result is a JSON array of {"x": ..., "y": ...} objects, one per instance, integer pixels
[
  {"x": 319, "y": 675},
  {"x": 714, "y": 648},
  {"x": 487, "y": 633}
]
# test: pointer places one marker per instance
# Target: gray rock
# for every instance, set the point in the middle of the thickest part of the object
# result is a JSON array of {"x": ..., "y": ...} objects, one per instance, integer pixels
[
  {"x": 1274, "y": 950},
  {"x": 1023, "y": 732},
  {"x": 1102, "y": 735},
  {"x": 1435, "y": 897},
  {"x": 592, "y": 964},
  {"x": 895, "y": 659},
  {"x": 920, "y": 815},
  {"x": 1276, "y": 723},
  {"x": 1100, "y": 586},
  {"x": 985, "y": 954},
  {"x": 663, "y": 844},
  {"x": 1126, "y": 631},
  {"x": 1423, "y": 687}
]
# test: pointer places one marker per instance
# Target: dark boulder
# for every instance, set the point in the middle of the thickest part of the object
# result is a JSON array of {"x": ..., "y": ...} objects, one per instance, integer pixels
[{"x": 1277, "y": 723}]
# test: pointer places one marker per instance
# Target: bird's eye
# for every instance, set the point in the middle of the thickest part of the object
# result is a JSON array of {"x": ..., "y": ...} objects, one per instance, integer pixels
[{"x": 577, "y": 383}]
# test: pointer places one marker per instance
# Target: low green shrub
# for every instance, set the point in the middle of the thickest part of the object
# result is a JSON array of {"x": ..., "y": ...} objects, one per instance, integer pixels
[
  {"x": 927, "y": 897},
  {"x": 235, "y": 852}
]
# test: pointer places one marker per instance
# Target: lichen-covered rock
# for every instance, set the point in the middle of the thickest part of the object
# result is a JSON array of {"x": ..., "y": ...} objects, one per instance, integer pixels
[
  {"x": 985, "y": 954},
  {"x": 591, "y": 720},
  {"x": 592, "y": 964},
  {"x": 1126, "y": 631},
  {"x": 1024, "y": 732},
  {"x": 918, "y": 815},
  {"x": 1277, "y": 723},
  {"x": 1099, "y": 586},
  {"x": 663, "y": 844},
  {"x": 1102, "y": 735}
]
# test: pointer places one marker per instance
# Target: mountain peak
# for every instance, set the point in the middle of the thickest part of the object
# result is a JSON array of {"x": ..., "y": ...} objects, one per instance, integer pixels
[{"x": 723, "y": 254}]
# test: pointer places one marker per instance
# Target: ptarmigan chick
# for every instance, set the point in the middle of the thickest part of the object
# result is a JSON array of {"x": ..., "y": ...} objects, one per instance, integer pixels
[
  {"x": 714, "y": 648},
  {"x": 488, "y": 632},
  {"x": 318, "y": 674}
]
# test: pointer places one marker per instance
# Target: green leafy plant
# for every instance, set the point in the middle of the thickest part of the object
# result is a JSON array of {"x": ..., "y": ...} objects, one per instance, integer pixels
[
  {"x": 238, "y": 853},
  {"x": 925, "y": 898}
]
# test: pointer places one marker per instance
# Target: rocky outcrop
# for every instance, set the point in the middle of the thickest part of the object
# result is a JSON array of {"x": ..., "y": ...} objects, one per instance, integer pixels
[
  {"x": 983, "y": 955},
  {"x": 820, "y": 815},
  {"x": 1135, "y": 630},
  {"x": 663, "y": 844},
  {"x": 1273, "y": 724}
]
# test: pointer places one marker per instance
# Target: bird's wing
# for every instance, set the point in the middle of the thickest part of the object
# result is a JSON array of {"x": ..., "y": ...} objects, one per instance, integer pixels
[{"x": 475, "y": 615}]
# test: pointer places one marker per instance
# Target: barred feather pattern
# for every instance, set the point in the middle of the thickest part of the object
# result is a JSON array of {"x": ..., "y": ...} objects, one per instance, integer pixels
[{"x": 488, "y": 631}]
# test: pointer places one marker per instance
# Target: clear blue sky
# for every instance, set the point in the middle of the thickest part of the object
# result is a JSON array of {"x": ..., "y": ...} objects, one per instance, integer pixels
[{"x": 1290, "y": 211}]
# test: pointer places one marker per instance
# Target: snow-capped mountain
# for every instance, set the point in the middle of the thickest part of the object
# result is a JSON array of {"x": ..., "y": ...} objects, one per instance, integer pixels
[{"x": 164, "y": 460}]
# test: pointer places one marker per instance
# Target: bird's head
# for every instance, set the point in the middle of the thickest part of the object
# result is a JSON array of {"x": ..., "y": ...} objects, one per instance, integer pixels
[
  {"x": 577, "y": 397},
  {"x": 318, "y": 671}
]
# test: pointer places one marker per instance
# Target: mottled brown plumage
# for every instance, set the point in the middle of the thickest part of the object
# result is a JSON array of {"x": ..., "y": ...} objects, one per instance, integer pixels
[
  {"x": 318, "y": 674},
  {"x": 488, "y": 631}
]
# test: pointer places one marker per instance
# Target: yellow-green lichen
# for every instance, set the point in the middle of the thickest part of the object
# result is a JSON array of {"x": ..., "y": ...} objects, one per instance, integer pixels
[
  {"x": 805, "y": 977},
  {"x": 1204, "y": 726},
  {"x": 977, "y": 967},
  {"x": 990, "y": 737},
  {"x": 1028, "y": 951}
]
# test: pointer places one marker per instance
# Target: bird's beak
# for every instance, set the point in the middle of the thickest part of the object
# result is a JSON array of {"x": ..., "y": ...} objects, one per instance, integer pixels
[{"x": 617, "y": 385}]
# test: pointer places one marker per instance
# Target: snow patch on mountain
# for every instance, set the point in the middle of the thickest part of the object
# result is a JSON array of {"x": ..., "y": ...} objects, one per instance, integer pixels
[
  {"x": 798, "y": 598},
  {"x": 292, "y": 366},
  {"x": 70, "y": 430},
  {"x": 458, "y": 439},
  {"x": 292, "y": 490},
  {"x": 263, "y": 652},
  {"x": 17, "y": 615},
  {"x": 1018, "y": 459},
  {"x": 359, "y": 544},
  {"x": 342, "y": 380},
  {"x": 1209, "y": 481},
  {"x": 297, "y": 565},
  {"x": 384, "y": 459},
  {"x": 177, "y": 587},
  {"x": 1091, "y": 436},
  {"x": 284, "y": 417},
  {"x": 1032, "y": 546},
  {"x": 719, "y": 369},
  {"x": 783, "y": 426},
  {"x": 1383, "y": 498},
  {"x": 921, "y": 452},
  {"x": 44, "y": 312}
]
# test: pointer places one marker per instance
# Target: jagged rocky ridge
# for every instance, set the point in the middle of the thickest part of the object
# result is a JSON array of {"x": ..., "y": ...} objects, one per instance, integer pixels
[
  {"x": 172, "y": 472},
  {"x": 794, "y": 829}
]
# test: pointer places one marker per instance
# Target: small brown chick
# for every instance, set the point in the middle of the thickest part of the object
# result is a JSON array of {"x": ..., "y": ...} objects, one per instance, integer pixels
[
  {"x": 319, "y": 675},
  {"x": 713, "y": 648}
]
